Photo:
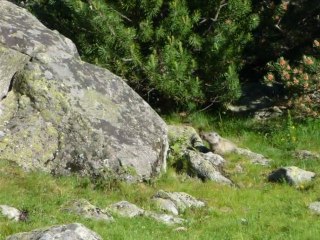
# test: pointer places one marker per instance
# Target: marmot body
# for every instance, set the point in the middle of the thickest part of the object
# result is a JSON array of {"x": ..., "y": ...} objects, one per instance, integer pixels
[{"x": 218, "y": 144}]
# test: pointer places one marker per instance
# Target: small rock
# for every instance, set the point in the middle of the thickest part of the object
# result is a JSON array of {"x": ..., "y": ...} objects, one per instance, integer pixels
[
  {"x": 315, "y": 207},
  {"x": 86, "y": 209},
  {"x": 181, "y": 229},
  {"x": 292, "y": 175},
  {"x": 206, "y": 169},
  {"x": 126, "y": 209},
  {"x": 10, "y": 212},
  {"x": 305, "y": 154},
  {"x": 74, "y": 231},
  {"x": 181, "y": 200},
  {"x": 165, "y": 218},
  {"x": 244, "y": 221},
  {"x": 166, "y": 205}
]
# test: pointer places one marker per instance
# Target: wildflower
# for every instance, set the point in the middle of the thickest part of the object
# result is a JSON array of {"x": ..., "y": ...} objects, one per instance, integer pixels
[
  {"x": 270, "y": 77},
  {"x": 287, "y": 76},
  {"x": 295, "y": 70},
  {"x": 282, "y": 62},
  {"x": 305, "y": 77},
  {"x": 307, "y": 60},
  {"x": 288, "y": 67},
  {"x": 307, "y": 99},
  {"x": 316, "y": 43},
  {"x": 295, "y": 81},
  {"x": 285, "y": 6},
  {"x": 305, "y": 85}
]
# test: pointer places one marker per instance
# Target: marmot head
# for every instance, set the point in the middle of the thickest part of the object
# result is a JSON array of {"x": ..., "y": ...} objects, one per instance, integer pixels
[{"x": 211, "y": 137}]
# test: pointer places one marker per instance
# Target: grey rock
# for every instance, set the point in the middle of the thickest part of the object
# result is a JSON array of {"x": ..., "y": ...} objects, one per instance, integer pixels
[
  {"x": 11, "y": 61},
  {"x": 66, "y": 116},
  {"x": 186, "y": 136},
  {"x": 206, "y": 170},
  {"x": 74, "y": 231},
  {"x": 10, "y": 212},
  {"x": 268, "y": 113},
  {"x": 126, "y": 209},
  {"x": 255, "y": 158},
  {"x": 165, "y": 218},
  {"x": 305, "y": 154},
  {"x": 292, "y": 175},
  {"x": 84, "y": 208},
  {"x": 181, "y": 229},
  {"x": 166, "y": 205},
  {"x": 315, "y": 207},
  {"x": 181, "y": 200}
]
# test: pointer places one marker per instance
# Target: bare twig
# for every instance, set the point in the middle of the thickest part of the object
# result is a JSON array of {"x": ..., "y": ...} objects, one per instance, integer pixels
[
  {"x": 222, "y": 4},
  {"x": 210, "y": 105}
]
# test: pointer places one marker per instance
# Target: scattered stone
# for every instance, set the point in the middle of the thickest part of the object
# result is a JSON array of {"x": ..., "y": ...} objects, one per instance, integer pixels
[
  {"x": 181, "y": 229},
  {"x": 268, "y": 113},
  {"x": 166, "y": 205},
  {"x": 181, "y": 200},
  {"x": 255, "y": 158},
  {"x": 206, "y": 169},
  {"x": 126, "y": 209},
  {"x": 292, "y": 175},
  {"x": 305, "y": 154},
  {"x": 74, "y": 231},
  {"x": 86, "y": 209},
  {"x": 315, "y": 207},
  {"x": 165, "y": 218},
  {"x": 10, "y": 212},
  {"x": 244, "y": 221}
]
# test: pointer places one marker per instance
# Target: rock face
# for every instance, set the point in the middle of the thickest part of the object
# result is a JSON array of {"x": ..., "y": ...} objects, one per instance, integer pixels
[
  {"x": 292, "y": 175},
  {"x": 199, "y": 160},
  {"x": 315, "y": 207},
  {"x": 73, "y": 231},
  {"x": 61, "y": 115},
  {"x": 207, "y": 166},
  {"x": 180, "y": 200},
  {"x": 86, "y": 209},
  {"x": 10, "y": 212},
  {"x": 126, "y": 209}
]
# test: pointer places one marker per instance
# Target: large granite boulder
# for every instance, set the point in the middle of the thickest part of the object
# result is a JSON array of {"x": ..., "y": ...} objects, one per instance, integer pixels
[{"x": 61, "y": 115}]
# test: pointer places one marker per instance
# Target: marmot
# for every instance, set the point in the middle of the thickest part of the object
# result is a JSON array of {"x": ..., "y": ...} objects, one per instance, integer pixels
[
  {"x": 218, "y": 144},
  {"x": 223, "y": 146}
]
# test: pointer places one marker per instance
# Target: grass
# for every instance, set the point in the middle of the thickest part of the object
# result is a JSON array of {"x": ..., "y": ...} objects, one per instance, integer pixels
[{"x": 255, "y": 210}]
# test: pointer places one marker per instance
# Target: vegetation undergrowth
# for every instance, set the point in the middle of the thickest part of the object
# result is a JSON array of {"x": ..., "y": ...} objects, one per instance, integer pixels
[{"x": 255, "y": 209}]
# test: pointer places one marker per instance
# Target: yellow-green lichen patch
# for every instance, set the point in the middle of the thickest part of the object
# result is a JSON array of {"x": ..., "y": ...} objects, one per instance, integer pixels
[
  {"x": 99, "y": 106},
  {"x": 11, "y": 61},
  {"x": 9, "y": 106},
  {"x": 32, "y": 144},
  {"x": 45, "y": 97}
]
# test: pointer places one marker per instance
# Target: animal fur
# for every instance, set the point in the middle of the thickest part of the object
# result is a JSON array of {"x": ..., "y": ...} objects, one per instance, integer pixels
[
  {"x": 223, "y": 146},
  {"x": 218, "y": 144}
]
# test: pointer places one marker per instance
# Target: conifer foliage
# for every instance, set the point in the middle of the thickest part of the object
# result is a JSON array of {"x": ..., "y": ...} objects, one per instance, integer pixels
[{"x": 186, "y": 52}]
